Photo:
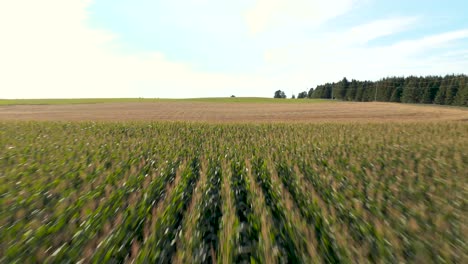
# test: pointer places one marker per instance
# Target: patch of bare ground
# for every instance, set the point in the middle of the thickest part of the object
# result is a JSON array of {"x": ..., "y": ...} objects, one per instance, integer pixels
[{"x": 234, "y": 112}]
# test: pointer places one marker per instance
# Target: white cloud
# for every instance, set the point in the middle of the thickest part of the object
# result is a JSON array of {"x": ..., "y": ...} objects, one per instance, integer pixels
[
  {"x": 334, "y": 58},
  {"x": 267, "y": 14},
  {"x": 48, "y": 51},
  {"x": 379, "y": 28},
  {"x": 429, "y": 42}
]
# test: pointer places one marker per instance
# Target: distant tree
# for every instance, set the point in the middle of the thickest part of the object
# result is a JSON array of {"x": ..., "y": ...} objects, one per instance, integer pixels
[
  {"x": 386, "y": 88},
  {"x": 302, "y": 95},
  {"x": 411, "y": 91},
  {"x": 369, "y": 92},
  {"x": 362, "y": 88},
  {"x": 441, "y": 93},
  {"x": 426, "y": 94},
  {"x": 322, "y": 91},
  {"x": 447, "y": 90},
  {"x": 293, "y": 97},
  {"x": 352, "y": 90},
  {"x": 396, "y": 95},
  {"x": 279, "y": 94},
  {"x": 462, "y": 95},
  {"x": 340, "y": 89},
  {"x": 452, "y": 91},
  {"x": 232, "y": 96}
]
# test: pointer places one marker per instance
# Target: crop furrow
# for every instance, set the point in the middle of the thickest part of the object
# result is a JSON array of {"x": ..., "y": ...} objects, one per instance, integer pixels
[
  {"x": 161, "y": 246},
  {"x": 360, "y": 230},
  {"x": 50, "y": 234},
  {"x": 94, "y": 223},
  {"x": 284, "y": 231},
  {"x": 207, "y": 238},
  {"x": 116, "y": 247},
  {"x": 247, "y": 227},
  {"x": 327, "y": 245}
]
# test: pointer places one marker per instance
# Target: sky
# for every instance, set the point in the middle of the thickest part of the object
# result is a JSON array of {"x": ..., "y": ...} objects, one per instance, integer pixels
[{"x": 213, "y": 48}]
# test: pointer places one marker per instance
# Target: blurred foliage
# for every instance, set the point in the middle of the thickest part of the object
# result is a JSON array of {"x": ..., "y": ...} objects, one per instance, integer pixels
[{"x": 122, "y": 192}]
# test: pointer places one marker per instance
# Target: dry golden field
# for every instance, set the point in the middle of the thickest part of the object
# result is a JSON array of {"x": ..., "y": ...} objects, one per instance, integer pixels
[{"x": 220, "y": 112}]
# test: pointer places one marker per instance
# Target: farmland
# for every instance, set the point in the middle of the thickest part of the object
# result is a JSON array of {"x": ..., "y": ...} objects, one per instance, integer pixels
[
  {"x": 204, "y": 192},
  {"x": 226, "y": 110}
]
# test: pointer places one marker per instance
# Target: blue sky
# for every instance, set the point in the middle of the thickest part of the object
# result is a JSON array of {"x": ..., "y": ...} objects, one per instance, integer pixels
[{"x": 205, "y": 48}]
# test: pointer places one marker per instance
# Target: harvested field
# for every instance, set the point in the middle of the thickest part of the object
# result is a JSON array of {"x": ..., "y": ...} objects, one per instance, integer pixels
[{"x": 219, "y": 112}]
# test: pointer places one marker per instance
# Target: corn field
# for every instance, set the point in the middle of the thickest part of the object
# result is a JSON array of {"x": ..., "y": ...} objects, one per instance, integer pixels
[{"x": 168, "y": 192}]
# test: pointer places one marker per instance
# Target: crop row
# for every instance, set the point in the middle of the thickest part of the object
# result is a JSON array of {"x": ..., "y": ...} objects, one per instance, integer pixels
[
  {"x": 161, "y": 246},
  {"x": 286, "y": 237},
  {"x": 147, "y": 192},
  {"x": 327, "y": 244},
  {"x": 210, "y": 213},
  {"x": 247, "y": 225}
]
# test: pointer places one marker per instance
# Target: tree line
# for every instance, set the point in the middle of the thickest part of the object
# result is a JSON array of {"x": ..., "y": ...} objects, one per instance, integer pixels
[{"x": 447, "y": 90}]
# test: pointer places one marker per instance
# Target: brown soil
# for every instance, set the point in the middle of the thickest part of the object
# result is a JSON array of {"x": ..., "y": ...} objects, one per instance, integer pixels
[{"x": 233, "y": 112}]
